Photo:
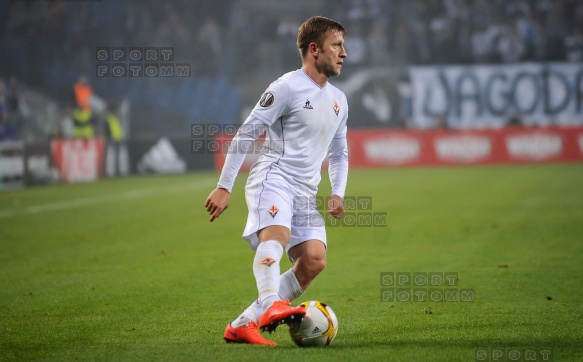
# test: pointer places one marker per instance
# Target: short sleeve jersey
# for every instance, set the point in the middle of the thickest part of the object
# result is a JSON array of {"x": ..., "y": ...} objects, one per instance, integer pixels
[{"x": 303, "y": 118}]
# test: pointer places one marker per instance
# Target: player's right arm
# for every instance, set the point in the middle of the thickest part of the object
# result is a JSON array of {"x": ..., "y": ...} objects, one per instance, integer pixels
[
  {"x": 218, "y": 200},
  {"x": 272, "y": 104}
]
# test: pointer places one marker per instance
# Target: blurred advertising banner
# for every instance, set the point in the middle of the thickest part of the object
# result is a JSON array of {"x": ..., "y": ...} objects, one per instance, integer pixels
[
  {"x": 220, "y": 148},
  {"x": 493, "y": 96},
  {"x": 78, "y": 160},
  {"x": 377, "y": 98},
  {"x": 401, "y": 148},
  {"x": 38, "y": 169},
  {"x": 166, "y": 155},
  {"x": 433, "y": 148},
  {"x": 11, "y": 165}
]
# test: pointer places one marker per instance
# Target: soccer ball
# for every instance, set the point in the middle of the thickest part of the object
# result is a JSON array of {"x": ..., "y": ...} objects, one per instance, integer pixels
[{"x": 318, "y": 327}]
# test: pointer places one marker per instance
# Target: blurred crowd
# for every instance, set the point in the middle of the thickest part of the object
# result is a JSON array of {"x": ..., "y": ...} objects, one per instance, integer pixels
[
  {"x": 43, "y": 34},
  {"x": 49, "y": 44},
  {"x": 405, "y": 32},
  {"x": 457, "y": 31},
  {"x": 8, "y": 108},
  {"x": 219, "y": 34}
]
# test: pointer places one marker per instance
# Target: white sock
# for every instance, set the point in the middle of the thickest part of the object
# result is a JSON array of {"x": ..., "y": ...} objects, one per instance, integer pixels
[
  {"x": 289, "y": 288},
  {"x": 266, "y": 271},
  {"x": 251, "y": 314}
]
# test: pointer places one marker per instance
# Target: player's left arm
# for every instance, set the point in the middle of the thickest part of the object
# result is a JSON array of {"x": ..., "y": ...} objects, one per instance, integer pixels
[{"x": 338, "y": 169}]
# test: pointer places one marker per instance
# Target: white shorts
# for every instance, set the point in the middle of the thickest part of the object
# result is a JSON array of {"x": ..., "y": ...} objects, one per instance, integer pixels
[{"x": 273, "y": 202}]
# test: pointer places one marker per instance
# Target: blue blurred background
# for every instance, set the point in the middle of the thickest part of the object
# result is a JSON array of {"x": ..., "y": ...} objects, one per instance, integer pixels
[{"x": 235, "y": 48}]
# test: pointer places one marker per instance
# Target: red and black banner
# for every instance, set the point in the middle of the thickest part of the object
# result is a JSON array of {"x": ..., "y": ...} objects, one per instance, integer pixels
[{"x": 402, "y": 148}]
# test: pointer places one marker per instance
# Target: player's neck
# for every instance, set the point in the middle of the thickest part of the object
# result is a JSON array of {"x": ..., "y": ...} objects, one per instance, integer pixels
[{"x": 319, "y": 78}]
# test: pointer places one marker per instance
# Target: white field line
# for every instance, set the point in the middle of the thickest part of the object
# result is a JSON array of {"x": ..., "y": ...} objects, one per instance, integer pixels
[{"x": 102, "y": 199}]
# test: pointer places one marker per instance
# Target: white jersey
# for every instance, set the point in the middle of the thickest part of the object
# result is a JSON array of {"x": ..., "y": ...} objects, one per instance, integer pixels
[{"x": 304, "y": 123}]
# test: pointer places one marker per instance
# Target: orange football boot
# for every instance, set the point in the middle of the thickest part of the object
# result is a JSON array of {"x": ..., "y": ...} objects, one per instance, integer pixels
[
  {"x": 280, "y": 312},
  {"x": 245, "y": 334}
]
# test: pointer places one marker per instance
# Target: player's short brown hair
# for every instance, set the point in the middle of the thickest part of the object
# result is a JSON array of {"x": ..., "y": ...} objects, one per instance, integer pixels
[{"x": 314, "y": 30}]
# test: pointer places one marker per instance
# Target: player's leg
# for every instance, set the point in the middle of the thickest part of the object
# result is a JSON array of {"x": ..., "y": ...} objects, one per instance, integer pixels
[
  {"x": 307, "y": 250},
  {"x": 308, "y": 243},
  {"x": 268, "y": 233},
  {"x": 267, "y": 274},
  {"x": 309, "y": 260},
  {"x": 306, "y": 223},
  {"x": 272, "y": 242}
]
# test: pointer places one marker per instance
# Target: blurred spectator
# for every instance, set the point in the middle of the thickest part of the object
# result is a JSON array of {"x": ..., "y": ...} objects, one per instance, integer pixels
[
  {"x": 116, "y": 156},
  {"x": 574, "y": 45},
  {"x": 510, "y": 46},
  {"x": 143, "y": 30},
  {"x": 403, "y": 44},
  {"x": 445, "y": 47},
  {"x": 555, "y": 30},
  {"x": 536, "y": 39},
  {"x": 81, "y": 109},
  {"x": 211, "y": 45},
  {"x": 517, "y": 9},
  {"x": 163, "y": 35},
  {"x": 355, "y": 46},
  {"x": 55, "y": 28},
  {"x": 7, "y": 132},
  {"x": 82, "y": 91},
  {"x": 356, "y": 12},
  {"x": 130, "y": 23},
  {"x": 287, "y": 34},
  {"x": 464, "y": 42},
  {"x": 578, "y": 21},
  {"x": 244, "y": 32},
  {"x": 420, "y": 52},
  {"x": 378, "y": 44},
  {"x": 481, "y": 44},
  {"x": 12, "y": 96}
]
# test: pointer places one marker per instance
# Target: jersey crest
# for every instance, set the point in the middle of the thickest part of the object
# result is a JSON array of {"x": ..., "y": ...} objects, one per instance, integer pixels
[
  {"x": 268, "y": 262},
  {"x": 336, "y": 108},
  {"x": 273, "y": 210}
]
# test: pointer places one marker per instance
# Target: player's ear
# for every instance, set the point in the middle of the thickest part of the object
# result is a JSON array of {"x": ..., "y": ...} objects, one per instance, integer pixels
[{"x": 313, "y": 49}]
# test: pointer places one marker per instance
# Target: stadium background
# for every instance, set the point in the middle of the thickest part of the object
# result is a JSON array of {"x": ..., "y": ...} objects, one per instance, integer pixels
[
  {"x": 129, "y": 268},
  {"x": 401, "y": 55}
]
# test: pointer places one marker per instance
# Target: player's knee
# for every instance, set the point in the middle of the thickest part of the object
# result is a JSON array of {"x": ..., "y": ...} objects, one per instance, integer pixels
[
  {"x": 315, "y": 264},
  {"x": 278, "y": 233},
  {"x": 319, "y": 265}
]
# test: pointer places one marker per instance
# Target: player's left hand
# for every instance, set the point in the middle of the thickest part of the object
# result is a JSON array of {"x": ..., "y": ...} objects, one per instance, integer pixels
[{"x": 336, "y": 206}]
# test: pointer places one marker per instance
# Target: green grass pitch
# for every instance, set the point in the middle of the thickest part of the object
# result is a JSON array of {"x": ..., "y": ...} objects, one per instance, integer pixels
[{"x": 131, "y": 269}]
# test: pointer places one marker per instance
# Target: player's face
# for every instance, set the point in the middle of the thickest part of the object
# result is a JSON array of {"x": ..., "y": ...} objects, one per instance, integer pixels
[{"x": 332, "y": 54}]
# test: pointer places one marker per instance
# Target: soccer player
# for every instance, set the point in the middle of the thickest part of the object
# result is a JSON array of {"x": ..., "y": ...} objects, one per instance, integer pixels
[{"x": 304, "y": 118}]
